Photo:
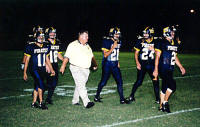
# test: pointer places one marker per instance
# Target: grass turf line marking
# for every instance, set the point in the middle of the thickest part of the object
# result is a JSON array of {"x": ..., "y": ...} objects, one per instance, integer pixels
[
  {"x": 21, "y": 78},
  {"x": 144, "y": 82},
  {"x": 151, "y": 117}
]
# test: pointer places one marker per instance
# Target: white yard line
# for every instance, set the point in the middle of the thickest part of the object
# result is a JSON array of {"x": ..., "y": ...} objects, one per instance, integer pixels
[
  {"x": 111, "y": 86},
  {"x": 149, "y": 118},
  {"x": 144, "y": 82},
  {"x": 21, "y": 78}
]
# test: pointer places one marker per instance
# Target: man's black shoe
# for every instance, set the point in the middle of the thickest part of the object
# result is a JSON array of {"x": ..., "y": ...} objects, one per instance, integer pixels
[
  {"x": 34, "y": 105},
  {"x": 97, "y": 99},
  {"x": 43, "y": 106},
  {"x": 90, "y": 104},
  {"x": 48, "y": 101},
  {"x": 125, "y": 101},
  {"x": 166, "y": 107}
]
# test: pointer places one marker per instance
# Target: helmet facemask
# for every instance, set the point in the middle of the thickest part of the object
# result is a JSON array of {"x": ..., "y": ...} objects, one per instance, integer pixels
[
  {"x": 169, "y": 32},
  {"x": 148, "y": 32},
  {"x": 40, "y": 38},
  {"x": 52, "y": 35},
  {"x": 115, "y": 33}
]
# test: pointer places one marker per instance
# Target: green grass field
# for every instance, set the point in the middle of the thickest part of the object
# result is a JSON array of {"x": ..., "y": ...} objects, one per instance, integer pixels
[{"x": 15, "y": 98}]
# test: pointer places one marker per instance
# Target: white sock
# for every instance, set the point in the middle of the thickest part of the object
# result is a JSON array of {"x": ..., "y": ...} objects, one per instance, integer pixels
[{"x": 164, "y": 102}]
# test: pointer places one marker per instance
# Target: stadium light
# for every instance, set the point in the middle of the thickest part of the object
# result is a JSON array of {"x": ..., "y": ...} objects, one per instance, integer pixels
[{"x": 192, "y": 11}]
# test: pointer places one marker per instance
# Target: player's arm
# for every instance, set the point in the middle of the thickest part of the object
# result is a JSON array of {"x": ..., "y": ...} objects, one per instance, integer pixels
[
  {"x": 136, "y": 60},
  {"x": 106, "y": 53},
  {"x": 23, "y": 62},
  {"x": 25, "y": 77},
  {"x": 63, "y": 66},
  {"x": 155, "y": 73},
  {"x": 60, "y": 56},
  {"x": 178, "y": 63},
  {"x": 48, "y": 63}
]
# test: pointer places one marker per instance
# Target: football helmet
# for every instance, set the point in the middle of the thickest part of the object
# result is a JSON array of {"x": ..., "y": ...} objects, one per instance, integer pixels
[
  {"x": 39, "y": 37},
  {"x": 50, "y": 33},
  {"x": 115, "y": 31},
  {"x": 169, "y": 32},
  {"x": 148, "y": 32},
  {"x": 37, "y": 28}
]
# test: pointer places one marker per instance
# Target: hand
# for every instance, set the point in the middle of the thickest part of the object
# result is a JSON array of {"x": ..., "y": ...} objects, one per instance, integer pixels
[
  {"x": 95, "y": 68},
  {"x": 25, "y": 77},
  {"x": 138, "y": 66},
  {"x": 182, "y": 69},
  {"x": 115, "y": 44},
  {"x": 155, "y": 74},
  {"x": 53, "y": 73},
  {"x": 62, "y": 69}
]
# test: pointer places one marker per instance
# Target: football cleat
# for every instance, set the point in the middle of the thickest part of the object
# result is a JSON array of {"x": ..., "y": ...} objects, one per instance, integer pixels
[
  {"x": 157, "y": 101},
  {"x": 43, "y": 106},
  {"x": 125, "y": 101},
  {"x": 48, "y": 101},
  {"x": 90, "y": 104},
  {"x": 97, "y": 99},
  {"x": 161, "y": 109},
  {"x": 131, "y": 99},
  {"x": 166, "y": 107},
  {"x": 34, "y": 105}
]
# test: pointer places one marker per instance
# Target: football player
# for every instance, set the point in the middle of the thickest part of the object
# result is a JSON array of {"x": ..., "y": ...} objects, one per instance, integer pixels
[
  {"x": 144, "y": 57},
  {"x": 37, "y": 53},
  {"x": 166, "y": 58},
  {"x": 54, "y": 55},
  {"x": 31, "y": 40},
  {"x": 110, "y": 64}
]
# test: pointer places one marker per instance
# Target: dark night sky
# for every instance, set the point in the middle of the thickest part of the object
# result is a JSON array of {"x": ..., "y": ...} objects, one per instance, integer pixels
[{"x": 18, "y": 17}]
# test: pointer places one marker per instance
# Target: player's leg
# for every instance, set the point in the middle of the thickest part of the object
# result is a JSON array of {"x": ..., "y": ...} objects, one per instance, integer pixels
[
  {"x": 106, "y": 71},
  {"x": 35, "y": 91},
  {"x": 40, "y": 75},
  {"x": 118, "y": 78},
  {"x": 155, "y": 85},
  {"x": 171, "y": 89},
  {"x": 163, "y": 93},
  {"x": 140, "y": 77},
  {"x": 52, "y": 82}
]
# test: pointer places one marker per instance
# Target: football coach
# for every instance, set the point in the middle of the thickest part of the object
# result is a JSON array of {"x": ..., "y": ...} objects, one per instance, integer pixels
[{"x": 80, "y": 56}]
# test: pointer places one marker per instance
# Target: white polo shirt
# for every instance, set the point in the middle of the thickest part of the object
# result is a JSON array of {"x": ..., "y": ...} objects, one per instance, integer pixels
[{"x": 79, "y": 55}]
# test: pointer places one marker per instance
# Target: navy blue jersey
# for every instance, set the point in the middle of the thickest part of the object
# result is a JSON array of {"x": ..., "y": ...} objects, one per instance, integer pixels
[
  {"x": 38, "y": 56},
  {"x": 146, "y": 51},
  {"x": 107, "y": 45},
  {"x": 168, "y": 54},
  {"x": 55, "y": 48}
]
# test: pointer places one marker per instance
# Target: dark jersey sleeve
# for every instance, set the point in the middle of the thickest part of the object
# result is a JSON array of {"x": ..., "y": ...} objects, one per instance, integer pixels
[
  {"x": 28, "y": 50},
  {"x": 137, "y": 45},
  {"x": 106, "y": 44},
  {"x": 49, "y": 48},
  {"x": 61, "y": 48},
  {"x": 158, "y": 46}
]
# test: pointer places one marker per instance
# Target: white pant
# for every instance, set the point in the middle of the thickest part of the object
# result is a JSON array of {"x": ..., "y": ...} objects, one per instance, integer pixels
[{"x": 80, "y": 76}]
